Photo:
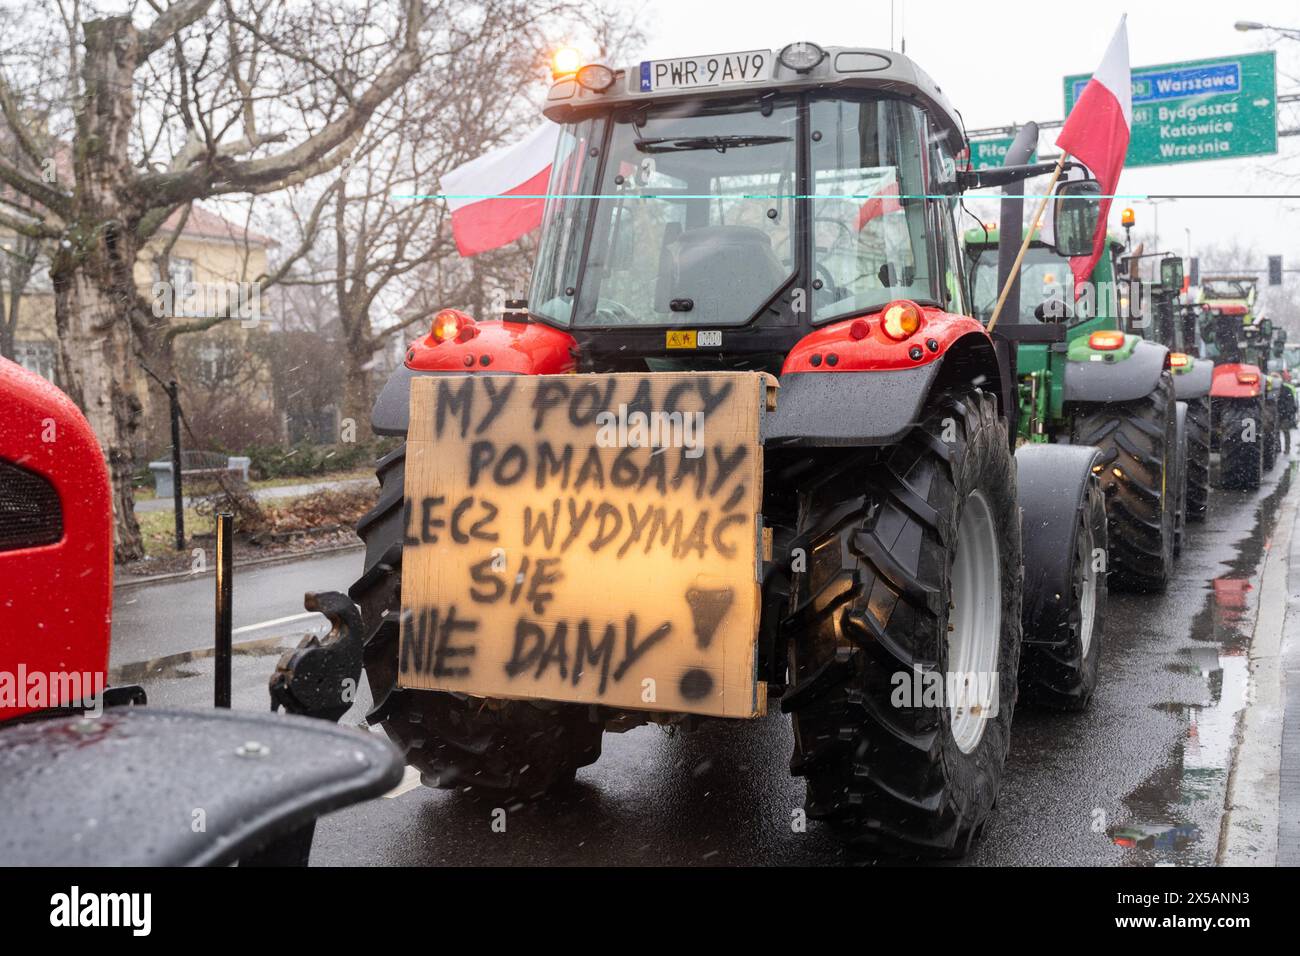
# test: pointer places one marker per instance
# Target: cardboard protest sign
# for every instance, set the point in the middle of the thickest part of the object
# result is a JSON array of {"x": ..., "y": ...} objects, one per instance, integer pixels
[{"x": 589, "y": 538}]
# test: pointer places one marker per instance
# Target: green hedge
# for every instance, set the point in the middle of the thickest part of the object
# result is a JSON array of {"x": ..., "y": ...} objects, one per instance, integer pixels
[{"x": 307, "y": 460}]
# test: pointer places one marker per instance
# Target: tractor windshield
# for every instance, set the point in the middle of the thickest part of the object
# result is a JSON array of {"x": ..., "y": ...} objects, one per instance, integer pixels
[
  {"x": 678, "y": 214},
  {"x": 1227, "y": 288},
  {"x": 694, "y": 220},
  {"x": 1044, "y": 275}
]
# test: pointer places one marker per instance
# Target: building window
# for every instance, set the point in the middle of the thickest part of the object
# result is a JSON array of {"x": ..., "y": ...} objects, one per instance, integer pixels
[
  {"x": 180, "y": 271},
  {"x": 36, "y": 357}
]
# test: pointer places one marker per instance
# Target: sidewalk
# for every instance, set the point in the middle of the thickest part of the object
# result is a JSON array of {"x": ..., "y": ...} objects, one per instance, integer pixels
[
  {"x": 1262, "y": 824},
  {"x": 267, "y": 494},
  {"x": 1288, "y": 836}
]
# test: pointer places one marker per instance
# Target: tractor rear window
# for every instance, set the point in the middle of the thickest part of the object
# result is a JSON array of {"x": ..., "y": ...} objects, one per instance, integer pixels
[
  {"x": 869, "y": 212},
  {"x": 694, "y": 224},
  {"x": 573, "y": 175},
  {"x": 1044, "y": 275}
]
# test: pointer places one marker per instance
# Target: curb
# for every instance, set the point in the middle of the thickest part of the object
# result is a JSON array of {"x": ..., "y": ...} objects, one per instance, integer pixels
[
  {"x": 133, "y": 581},
  {"x": 137, "y": 671},
  {"x": 1251, "y": 819}
]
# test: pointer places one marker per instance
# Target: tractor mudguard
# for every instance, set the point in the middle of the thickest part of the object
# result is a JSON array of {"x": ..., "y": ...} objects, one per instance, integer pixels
[
  {"x": 1227, "y": 381},
  {"x": 392, "y": 409},
  {"x": 142, "y": 772},
  {"x": 1195, "y": 382},
  {"x": 1052, "y": 481},
  {"x": 848, "y": 408},
  {"x": 1125, "y": 381},
  {"x": 877, "y": 406}
]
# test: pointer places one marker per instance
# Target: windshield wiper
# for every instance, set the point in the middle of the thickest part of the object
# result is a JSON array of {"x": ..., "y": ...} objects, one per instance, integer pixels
[{"x": 678, "y": 144}]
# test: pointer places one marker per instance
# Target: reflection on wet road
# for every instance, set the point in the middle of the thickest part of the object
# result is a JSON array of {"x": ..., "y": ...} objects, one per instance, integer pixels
[{"x": 1138, "y": 780}]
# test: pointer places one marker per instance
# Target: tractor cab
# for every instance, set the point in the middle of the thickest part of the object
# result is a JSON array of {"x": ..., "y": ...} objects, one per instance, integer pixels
[
  {"x": 1228, "y": 320},
  {"x": 715, "y": 210}
]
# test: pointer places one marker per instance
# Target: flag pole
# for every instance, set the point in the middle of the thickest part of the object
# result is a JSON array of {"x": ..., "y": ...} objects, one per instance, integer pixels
[{"x": 1024, "y": 245}]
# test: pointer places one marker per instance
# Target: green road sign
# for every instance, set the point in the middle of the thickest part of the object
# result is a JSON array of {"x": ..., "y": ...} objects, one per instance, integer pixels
[
  {"x": 1222, "y": 108},
  {"x": 988, "y": 153}
]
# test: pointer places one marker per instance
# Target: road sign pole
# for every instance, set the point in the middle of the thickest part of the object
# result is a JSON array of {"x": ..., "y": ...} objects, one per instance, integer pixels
[
  {"x": 178, "y": 496},
  {"x": 224, "y": 599}
]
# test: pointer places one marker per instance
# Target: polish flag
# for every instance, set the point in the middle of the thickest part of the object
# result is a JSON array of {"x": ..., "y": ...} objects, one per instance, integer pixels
[
  {"x": 484, "y": 215},
  {"x": 882, "y": 202},
  {"x": 1096, "y": 133}
]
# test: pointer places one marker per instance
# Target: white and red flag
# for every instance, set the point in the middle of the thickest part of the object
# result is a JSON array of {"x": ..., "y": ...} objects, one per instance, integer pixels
[
  {"x": 1097, "y": 132},
  {"x": 481, "y": 194}
]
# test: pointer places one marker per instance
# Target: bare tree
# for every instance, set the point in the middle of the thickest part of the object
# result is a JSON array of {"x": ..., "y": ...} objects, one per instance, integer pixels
[
  {"x": 394, "y": 261},
  {"x": 17, "y": 265},
  {"x": 212, "y": 97}
]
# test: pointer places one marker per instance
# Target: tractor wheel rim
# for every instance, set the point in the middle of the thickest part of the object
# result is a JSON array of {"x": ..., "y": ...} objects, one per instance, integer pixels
[
  {"x": 1088, "y": 599},
  {"x": 975, "y": 623}
]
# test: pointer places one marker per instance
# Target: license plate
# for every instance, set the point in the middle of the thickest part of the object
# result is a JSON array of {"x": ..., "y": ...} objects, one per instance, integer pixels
[{"x": 697, "y": 72}]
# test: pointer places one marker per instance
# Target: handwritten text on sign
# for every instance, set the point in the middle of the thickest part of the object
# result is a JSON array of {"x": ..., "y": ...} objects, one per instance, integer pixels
[{"x": 586, "y": 538}]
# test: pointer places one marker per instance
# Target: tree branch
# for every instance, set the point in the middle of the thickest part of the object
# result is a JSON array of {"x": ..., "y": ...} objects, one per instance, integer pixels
[
  {"x": 171, "y": 22},
  {"x": 33, "y": 230},
  {"x": 317, "y": 153}
]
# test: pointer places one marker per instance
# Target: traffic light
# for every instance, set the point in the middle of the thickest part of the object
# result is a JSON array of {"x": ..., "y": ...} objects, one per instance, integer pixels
[
  {"x": 1194, "y": 271},
  {"x": 1274, "y": 270}
]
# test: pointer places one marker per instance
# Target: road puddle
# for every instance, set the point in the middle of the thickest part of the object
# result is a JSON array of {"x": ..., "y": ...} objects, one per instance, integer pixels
[{"x": 1175, "y": 813}]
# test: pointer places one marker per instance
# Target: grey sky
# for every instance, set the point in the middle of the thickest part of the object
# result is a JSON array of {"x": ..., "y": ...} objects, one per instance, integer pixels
[{"x": 1004, "y": 62}]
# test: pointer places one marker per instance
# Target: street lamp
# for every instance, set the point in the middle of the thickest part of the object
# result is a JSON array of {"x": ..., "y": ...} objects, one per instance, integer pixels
[
  {"x": 1155, "y": 207},
  {"x": 1245, "y": 26}
]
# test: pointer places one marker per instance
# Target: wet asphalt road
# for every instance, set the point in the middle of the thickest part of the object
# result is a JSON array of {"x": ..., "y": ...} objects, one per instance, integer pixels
[
  {"x": 1152, "y": 754},
  {"x": 153, "y": 621}
]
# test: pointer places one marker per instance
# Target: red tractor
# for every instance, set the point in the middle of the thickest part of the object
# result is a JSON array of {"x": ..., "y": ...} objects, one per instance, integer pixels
[
  {"x": 1244, "y": 398},
  {"x": 86, "y": 779},
  {"x": 789, "y": 215}
]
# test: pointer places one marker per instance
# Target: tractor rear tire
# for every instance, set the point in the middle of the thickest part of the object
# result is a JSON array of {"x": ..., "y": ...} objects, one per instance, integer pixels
[
  {"x": 1241, "y": 443},
  {"x": 524, "y": 749},
  {"x": 1198, "y": 458},
  {"x": 1137, "y": 441},
  {"x": 1063, "y": 675},
  {"x": 1272, "y": 440},
  {"x": 901, "y": 541}
]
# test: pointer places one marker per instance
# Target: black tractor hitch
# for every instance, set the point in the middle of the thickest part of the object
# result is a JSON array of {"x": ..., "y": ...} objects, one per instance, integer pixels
[{"x": 319, "y": 677}]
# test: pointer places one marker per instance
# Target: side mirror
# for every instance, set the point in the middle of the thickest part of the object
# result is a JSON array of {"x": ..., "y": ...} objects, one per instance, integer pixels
[
  {"x": 1266, "y": 328},
  {"x": 1171, "y": 274},
  {"x": 1076, "y": 212}
]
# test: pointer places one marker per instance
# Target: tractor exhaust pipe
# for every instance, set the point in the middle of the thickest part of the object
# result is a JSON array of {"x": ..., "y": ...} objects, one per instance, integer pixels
[{"x": 1012, "y": 211}]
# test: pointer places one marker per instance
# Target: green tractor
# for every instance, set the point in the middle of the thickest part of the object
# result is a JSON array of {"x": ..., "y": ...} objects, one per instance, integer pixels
[
  {"x": 1174, "y": 326},
  {"x": 1083, "y": 380},
  {"x": 1289, "y": 359},
  {"x": 1288, "y": 405}
]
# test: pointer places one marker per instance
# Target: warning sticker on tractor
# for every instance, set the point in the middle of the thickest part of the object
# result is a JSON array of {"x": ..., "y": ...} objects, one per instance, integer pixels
[{"x": 588, "y": 538}]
